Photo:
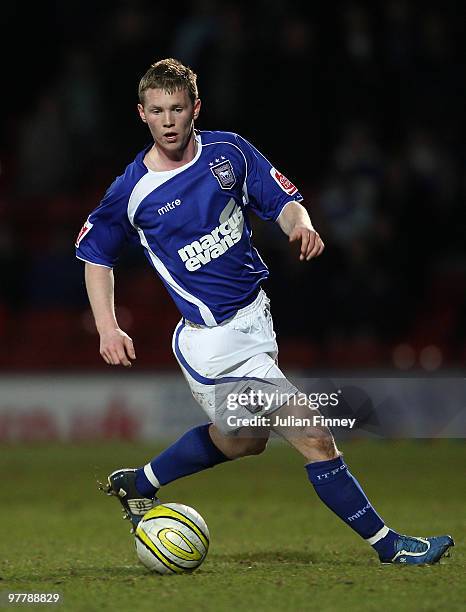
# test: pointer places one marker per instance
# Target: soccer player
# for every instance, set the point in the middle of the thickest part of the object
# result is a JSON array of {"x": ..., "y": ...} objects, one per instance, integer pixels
[{"x": 186, "y": 199}]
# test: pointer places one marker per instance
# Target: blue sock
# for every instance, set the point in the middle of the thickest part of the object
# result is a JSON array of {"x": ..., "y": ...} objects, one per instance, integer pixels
[
  {"x": 193, "y": 452},
  {"x": 341, "y": 492}
]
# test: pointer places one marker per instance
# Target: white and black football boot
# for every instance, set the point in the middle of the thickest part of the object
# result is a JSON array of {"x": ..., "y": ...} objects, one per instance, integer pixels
[{"x": 121, "y": 484}]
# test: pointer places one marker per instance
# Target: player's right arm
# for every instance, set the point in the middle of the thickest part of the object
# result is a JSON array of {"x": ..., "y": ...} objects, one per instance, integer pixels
[
  {"x": 99, "y": 244},
  {"x": 116, "y": 347}
]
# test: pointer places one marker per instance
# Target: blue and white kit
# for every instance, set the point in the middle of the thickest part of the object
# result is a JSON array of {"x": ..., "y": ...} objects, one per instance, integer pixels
[{"x": 193, "y": 225}]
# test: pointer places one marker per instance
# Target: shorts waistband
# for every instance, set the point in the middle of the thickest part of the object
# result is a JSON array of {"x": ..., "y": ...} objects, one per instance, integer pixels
[
  {"x": 242, "y": 312},
  {"x": 261, "y": 296}
]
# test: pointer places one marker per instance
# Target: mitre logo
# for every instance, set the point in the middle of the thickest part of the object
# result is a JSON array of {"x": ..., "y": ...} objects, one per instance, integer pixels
[
  {"x": 169, "y": 206},
  {"x": 284, "y": 183},
  {"x": 211, "y": 246}
]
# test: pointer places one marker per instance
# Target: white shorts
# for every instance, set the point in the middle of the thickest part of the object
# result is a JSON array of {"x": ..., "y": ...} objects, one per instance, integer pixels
[{"x": 236, "y": 357}]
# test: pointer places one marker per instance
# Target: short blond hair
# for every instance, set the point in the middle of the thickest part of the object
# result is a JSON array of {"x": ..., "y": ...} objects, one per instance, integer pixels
[{"x": 170, "y": 75}]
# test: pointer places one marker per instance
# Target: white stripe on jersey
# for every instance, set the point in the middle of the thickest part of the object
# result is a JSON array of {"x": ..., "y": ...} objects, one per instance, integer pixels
[
  {"x": 148, "y": 183},
  {"x": 152, "y": 180},
  {"x": 205, "y": 311}
]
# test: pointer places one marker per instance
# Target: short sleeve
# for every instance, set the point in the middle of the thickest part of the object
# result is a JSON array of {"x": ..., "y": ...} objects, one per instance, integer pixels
[
  {"x": 268, "y": 190},
  {"x": 107, "y": 229}
]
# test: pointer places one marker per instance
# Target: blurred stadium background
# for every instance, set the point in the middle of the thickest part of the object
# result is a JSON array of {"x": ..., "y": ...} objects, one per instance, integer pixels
[{"x": 360, "y": 104}]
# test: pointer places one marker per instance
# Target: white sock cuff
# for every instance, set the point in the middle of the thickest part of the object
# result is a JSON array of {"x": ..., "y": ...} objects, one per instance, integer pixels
[
  {"x": 378, "y": 536},
  {"x": 151, "y": 477}
]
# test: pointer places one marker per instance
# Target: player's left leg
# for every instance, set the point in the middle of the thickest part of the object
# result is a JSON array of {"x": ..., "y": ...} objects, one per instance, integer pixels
[{"x": 342, "y": 493}]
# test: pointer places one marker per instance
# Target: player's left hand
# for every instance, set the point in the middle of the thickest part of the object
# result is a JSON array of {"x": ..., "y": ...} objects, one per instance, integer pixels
[{"x": 311, "y": 243}]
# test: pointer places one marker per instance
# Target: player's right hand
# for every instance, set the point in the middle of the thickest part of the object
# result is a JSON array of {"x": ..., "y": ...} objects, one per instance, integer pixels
[{"x": 116, "y": 348}]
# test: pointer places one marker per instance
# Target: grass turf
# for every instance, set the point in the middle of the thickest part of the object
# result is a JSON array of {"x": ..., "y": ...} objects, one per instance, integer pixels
[{"x": 274, "y": 546}]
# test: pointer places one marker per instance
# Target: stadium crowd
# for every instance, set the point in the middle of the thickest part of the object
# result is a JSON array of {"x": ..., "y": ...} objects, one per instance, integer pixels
[{"x": 360, "y": 104}]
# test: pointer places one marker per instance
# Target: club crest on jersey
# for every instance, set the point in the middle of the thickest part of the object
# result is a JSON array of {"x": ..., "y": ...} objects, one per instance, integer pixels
[
  {"x": 224, "y": 174},
  {"x": 85, "y": 228},
  {"x": 283, "y": 182}
]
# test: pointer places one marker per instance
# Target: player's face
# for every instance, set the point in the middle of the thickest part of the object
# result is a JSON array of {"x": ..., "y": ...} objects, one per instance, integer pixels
[{"x": 170, "y": 118}]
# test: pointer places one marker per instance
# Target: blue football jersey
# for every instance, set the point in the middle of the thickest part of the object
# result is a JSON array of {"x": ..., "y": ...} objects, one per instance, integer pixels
[{"x": 192, "y": 223}]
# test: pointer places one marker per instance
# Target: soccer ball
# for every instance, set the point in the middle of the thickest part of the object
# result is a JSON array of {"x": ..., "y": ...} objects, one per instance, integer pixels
[{"x": 172, "y": 539}]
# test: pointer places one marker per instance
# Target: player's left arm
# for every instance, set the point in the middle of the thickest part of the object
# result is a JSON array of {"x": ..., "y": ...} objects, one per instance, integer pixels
[{"x": 294, "y": 220}]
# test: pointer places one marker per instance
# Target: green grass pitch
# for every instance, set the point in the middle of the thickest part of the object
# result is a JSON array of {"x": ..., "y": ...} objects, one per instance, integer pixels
[{"x": 274, "y": 546}]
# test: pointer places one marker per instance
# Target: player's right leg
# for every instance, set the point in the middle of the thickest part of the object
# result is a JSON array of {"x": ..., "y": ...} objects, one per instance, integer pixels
[
  {"x": 245, "y": 442},
  {"x": 200, "y": 448},
  {"x": 122, "y": 484},
  {"x": 206, "y": 357}
]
